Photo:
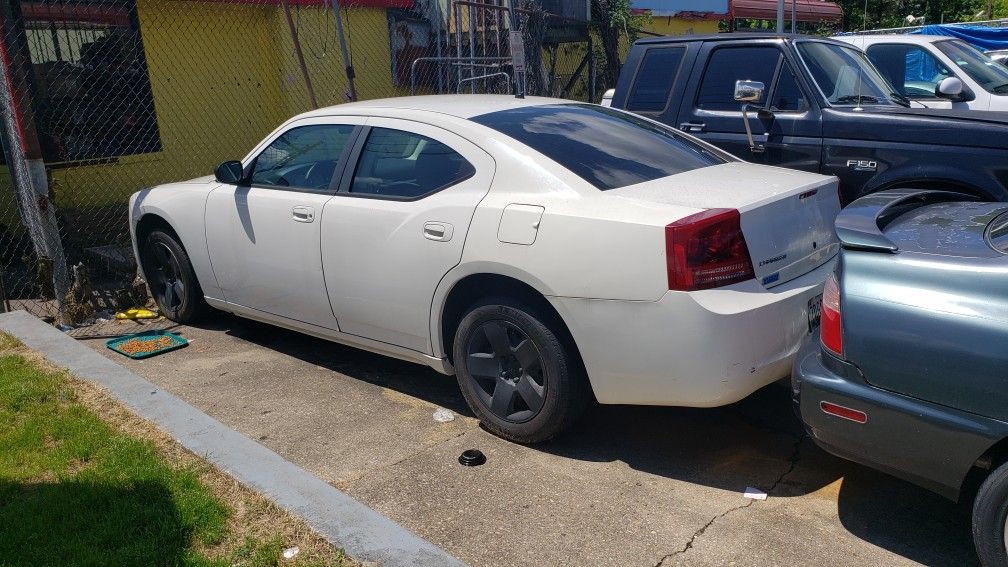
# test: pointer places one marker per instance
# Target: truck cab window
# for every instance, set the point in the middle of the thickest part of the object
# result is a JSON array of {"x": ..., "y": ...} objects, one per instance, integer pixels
[
  {"x": 729, "y": 64},
  {"x": 657, "y": 73}
]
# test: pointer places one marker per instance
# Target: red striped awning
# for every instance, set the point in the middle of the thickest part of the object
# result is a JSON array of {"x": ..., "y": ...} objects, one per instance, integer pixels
[{"x": 818, "y": 11}]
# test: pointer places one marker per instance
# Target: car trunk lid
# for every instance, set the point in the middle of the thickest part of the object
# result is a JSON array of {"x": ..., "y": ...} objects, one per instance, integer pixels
[{"x": 786, "y": 217}]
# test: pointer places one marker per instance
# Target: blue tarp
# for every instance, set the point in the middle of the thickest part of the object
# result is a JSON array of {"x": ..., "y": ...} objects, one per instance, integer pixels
[
  {"x": 921, "y": 68},
  {"x": 983, "y": 38}
]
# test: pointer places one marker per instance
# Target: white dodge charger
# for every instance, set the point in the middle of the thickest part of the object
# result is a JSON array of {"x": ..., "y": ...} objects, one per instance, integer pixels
[{"x": 543, "y": 251}]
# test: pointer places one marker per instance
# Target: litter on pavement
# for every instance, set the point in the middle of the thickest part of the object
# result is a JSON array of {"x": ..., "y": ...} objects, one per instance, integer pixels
[
  {"x": 755, "y": 493},
  {"x": 442, "y": 415}
]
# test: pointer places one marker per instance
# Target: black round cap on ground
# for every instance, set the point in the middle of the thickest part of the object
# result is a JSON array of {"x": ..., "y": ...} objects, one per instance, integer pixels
[{"x": 472, "y": 458}]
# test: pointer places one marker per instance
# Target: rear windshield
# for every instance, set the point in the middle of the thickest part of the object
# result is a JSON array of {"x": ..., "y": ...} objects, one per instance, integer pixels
[{"x": 605, "y": 147}]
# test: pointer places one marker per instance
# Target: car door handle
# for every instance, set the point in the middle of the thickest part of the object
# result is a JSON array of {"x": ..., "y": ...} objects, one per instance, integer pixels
[
  {"x": 692, "y": 126},
  {"x": 303, "y": 214},
  {"x": 438, "y": 231}
]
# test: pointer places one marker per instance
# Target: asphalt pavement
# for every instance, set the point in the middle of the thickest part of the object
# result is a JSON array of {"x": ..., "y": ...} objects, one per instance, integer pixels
[{"x": 626, "y": 486}]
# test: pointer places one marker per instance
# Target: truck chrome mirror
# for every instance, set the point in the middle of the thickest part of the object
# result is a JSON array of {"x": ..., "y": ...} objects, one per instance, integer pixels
[{"x": 750, "y": 93}]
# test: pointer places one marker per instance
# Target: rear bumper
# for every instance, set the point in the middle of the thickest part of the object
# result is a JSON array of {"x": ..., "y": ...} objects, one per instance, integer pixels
[
  {"x": 702, "y": 349},
  {"x": 927, "y": 444}
]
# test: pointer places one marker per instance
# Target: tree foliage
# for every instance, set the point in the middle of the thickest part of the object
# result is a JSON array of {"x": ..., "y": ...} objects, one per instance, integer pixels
[
  {"x": 893, "y": 14},
  {"x": 614, "y": 22}
]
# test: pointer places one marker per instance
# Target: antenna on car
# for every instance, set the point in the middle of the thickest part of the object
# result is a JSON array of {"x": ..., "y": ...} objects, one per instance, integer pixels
[{"x": 857, "y": 107}]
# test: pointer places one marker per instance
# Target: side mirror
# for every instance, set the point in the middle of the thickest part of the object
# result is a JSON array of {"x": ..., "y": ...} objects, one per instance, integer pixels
[
  {"x": 949, "y": 87},
  {"x": 749, "y": 91},
  {"x": 953, "y": 89},
  {"x": 230, "y": 172}
]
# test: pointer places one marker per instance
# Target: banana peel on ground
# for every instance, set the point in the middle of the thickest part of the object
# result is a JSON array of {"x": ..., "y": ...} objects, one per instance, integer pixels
[{"x": 138, "y": 313}]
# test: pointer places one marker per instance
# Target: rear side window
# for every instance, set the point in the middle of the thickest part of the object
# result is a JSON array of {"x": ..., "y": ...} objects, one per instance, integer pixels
[
  {"x": 605, "y": 147},
  {"x": 657, "y": 72},
  {"x": 729, "y": 64},
  {"x": 404, "y": 165}
]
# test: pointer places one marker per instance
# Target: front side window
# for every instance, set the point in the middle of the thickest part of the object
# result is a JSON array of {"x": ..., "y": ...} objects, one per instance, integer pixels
[
  {"x": 304, "y": 157},
  {"x": 729, "y": 64},
  {"x": 404, "y": 165},
  {"x": 911, "y": 69},
  {"x": 90, "y": 90},
  {"x": 657, "y": 73},
  {"x": 989, "y": 74},
  {"x": 788, "y": 95},
  {"x": 605, "y": 147},
  {"x": 844, "y": 74}
]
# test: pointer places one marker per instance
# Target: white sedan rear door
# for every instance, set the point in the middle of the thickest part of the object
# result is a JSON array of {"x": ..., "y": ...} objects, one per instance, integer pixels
[{"x": 398, "y": 225}]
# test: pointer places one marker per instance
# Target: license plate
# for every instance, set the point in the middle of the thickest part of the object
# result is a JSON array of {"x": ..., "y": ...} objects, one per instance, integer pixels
[{"x": 814, "y": 312}]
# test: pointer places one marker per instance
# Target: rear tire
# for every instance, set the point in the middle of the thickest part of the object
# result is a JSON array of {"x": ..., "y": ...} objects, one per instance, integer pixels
[
  {"x": 990, "y": 515},
  {"x": 171, "y": 278},
  {"x": 516, "y": 373}
]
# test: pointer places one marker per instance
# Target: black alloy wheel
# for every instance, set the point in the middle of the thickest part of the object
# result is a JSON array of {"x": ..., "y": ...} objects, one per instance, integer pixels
[
  {"x": 171, "y": 278},
  {"x": 506, "y": 370},
  {"x": 519, "y": 370},
  {"x": 164, "y": 278}
]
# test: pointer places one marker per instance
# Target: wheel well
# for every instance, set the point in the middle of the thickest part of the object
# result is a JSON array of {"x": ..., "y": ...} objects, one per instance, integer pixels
[
  {"x": 148, "y": 223},
  {"x": 992, "y": 458},
  {"x": 471, "y": 289}
]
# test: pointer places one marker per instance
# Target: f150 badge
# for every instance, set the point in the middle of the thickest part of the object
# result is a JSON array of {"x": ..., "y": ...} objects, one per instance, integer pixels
[{"x": 862, "y": 164}]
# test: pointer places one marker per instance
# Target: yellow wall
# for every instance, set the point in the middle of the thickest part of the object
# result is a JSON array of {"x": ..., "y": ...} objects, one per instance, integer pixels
[
  {"x": 667, "y": 25},
  {"x": 223, "y": 76}
]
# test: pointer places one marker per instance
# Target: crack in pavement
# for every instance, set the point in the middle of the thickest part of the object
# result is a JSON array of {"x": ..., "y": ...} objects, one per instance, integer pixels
[
  {"x": 792, "y": 463},
  {"x": 698, "y": 533}
]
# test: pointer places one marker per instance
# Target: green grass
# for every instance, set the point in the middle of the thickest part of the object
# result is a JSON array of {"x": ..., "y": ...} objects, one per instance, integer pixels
[{"x": 74, "y": 491}]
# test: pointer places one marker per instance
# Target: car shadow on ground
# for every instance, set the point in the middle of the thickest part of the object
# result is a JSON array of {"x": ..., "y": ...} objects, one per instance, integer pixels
[
  {"x": 756, "y": 442},
  {"x": 905, "y": 519}
]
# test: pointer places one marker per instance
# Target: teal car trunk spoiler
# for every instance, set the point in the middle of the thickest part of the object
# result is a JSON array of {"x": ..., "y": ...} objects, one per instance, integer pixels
[{"x": 860, "y": 226}]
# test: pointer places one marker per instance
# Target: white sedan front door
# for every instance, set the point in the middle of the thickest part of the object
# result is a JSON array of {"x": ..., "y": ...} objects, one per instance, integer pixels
[
  {"x": 398, "y": 225},
  {"x": 264, "y": 234}
]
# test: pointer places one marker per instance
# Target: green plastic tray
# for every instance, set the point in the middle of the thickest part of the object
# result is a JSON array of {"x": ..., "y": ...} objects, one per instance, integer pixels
[{"x": 177, "y": 343}]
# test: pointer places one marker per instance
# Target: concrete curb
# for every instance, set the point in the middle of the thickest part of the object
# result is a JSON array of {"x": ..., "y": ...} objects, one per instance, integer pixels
[{"x": 365, "y": 534}]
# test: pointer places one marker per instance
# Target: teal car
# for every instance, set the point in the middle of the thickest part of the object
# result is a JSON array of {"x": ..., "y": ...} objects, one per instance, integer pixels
[{"x": 909, "y": 370}]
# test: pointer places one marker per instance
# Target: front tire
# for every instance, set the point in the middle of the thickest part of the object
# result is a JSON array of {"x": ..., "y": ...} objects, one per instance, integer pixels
[
  {"x": 990, "y": 519},
  {"x": 171, "y": 278},
  {"x": 515, "y": 372}
]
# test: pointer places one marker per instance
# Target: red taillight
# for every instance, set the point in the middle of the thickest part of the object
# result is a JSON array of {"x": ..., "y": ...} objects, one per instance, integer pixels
[
  {"x": 707, "y": 250},
  {"x": 844, "y": 412},
  {"x": 830, "y": 330}
]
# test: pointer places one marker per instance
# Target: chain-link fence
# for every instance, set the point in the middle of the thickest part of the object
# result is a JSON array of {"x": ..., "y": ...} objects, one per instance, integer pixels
[{"x": 105, "y": 97}]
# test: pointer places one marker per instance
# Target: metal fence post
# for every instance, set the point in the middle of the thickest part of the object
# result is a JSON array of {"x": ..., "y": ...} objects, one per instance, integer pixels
[
  {"x": 348, "y": 67},
  {"x": 300, "y": 55},
  {"x": 28, "y": 170}
]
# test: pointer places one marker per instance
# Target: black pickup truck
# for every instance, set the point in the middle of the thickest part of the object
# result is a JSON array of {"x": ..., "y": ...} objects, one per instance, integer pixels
[{"x": 813, "y": 104}]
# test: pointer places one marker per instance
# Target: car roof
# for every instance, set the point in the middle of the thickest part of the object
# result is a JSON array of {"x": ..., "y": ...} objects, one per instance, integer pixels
[
  {"x": 458, "y": 105},
  {"x": 916, "y": 39},
  {"x": 731, "y": 36}
]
